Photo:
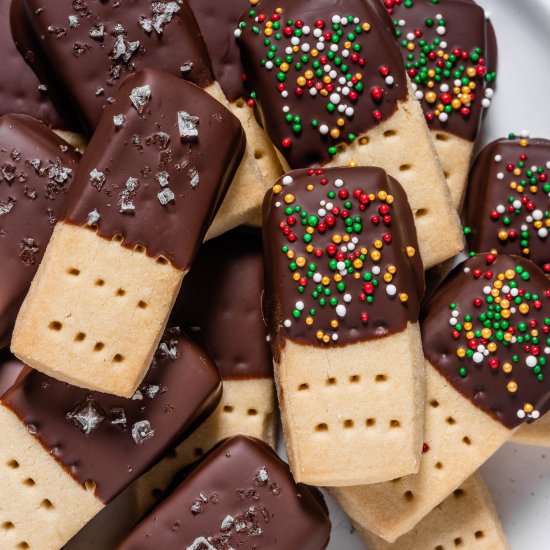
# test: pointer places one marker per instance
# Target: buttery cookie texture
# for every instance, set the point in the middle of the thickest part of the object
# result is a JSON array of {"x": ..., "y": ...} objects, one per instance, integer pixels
[
  {"x": 84, "y": 49},
  {"x": 485, "y": 335},
  {"x": 465, "y": 519},
  {"x": 37, "y": 169},
  {"x": 220, "y": 306},
  {"x": 343, "y": 285},
  {"x": 331, "y": 89},
  {"x": 144, "y": 195},
  {"x": 242, "y": 495},
  {"x": 68, "y": 452},
  {"x": 450, "y": 53}
]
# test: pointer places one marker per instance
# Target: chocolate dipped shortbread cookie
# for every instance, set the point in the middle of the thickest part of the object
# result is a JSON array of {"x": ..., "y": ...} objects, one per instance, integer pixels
[
  {"x": 144, "y": 195},
  {"x": 450, "y": 53},
  {"x": 36, "y": 171},
  {"x": 485, "y": 334},
  {"x": 466, "y": 519},
  {"x": 84, "y": 49},
  {"x": 220, "y": 306},
  {"x": 507, "y": 207},
  {"x": 343, "y": 285},
  {"x": 332, "y": 90},
  {"x": 242, "y": 495},
  {"x": 67, "y": 452}
]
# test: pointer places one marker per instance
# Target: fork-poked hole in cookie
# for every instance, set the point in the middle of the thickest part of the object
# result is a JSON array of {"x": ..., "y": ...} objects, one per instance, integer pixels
[
  {"x": 479, "y": 535},
  {"x": 23, "y": 544},
  {"x": 29, "y": 482},
  {"x": 13, "y": 464},
  {"x": 98, "y": 346},
  {"x": 441, "y": 137},
  {"x": 56, "y": 326},
  {"x": 47, "y": 504},
  {"x": 390, "y": 133},
  {"x": 80, "y": 337},
  {"x": 73, "y": 271},
  {"x": 322, "y": 427},
  {"x": 7, "y": 525}
]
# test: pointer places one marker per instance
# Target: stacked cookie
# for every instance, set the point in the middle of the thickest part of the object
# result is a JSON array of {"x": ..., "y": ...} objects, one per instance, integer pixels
[{"x": 150, "y": 365}]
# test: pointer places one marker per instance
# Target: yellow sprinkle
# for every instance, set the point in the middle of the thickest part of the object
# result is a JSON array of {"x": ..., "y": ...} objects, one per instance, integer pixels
[
  {"x": 289, "y": 198},
  {"x": 500, "y": 276},
  {"x": 534, "y": 332},
  {"x": 507, "y": 368},
  {"x": 486, "y": 333},
  {"x": 309, "y": 74},
  {"x": 363, "y": 141},
  {"x": 357, "y": 263},
  {"x": 506, "y": 314},
  {"x": 335, "y": 133},
  {"x": 346, "y": 238},
  {"x": 300, "y": 261},
  {"x": 431, "y": 84},
  {"x": 470, "y": 335},
  {"x": 507, "y": 335},
  {"x": 364, "y": 251},
  {"x": 269, "y": 24},
  {"x": 410, "y": 46},
  {"x": 504, "y": 303},
  {"x": 403, "y": 297},
  {"x": 465, "y": 99},
  {"x": 538, "y": 224},
  {"x": 290, "y": 254},
  {"x": 473, "y": 85},
  {"x": 512, "y": 387},
  {"x": 309, "y": 248},
  {"x": 325, "y": 281},
  {"x": 296, "y": 276},
  {"x": 358, "y": 76},
  {"x": 327, "y": 79},
  {"x": 533, "y": 189},
  {"x": 461, "y": 352},
  {"x": 279, "y": 10},
  {"x": 492, "y": 347},
  {"x": 498, "y": 284},
  {"x": 467, "y": 326},
  {"x": 375, "y": 255},
  {"x": 326, "y": 338},
  {"x": 295, "y": 48},
  {"x": 389, "y": 199},
  {"x": 366, "y": 27},
  {"x": 314, "y": 53},
  {"x": 309, "y": 320},
  {"x": 277, "y": 189},
  {"x": 525, "y": 252},
  {"x": 431, "y": 73},
  {"x": 284, "y": 67},
  {"x": 388, "y": 277},
  {"x": 334, "y": 323},
  {"x": 523, "y": 142},
  {"x": 268, "y": 32},
  {"x": 353, "y": 163},
  {"x": 392, "y": 269},
  {"x": 337, "y": 277},
  {"x": 340, "y": 122},
  {"x": 357, "y": 275},
  {"x": 430, "y": 97},
  {"x": 494, "y": 292},
  {"x": 456, "y": 104},
  {"x": 378, "y": 243},
  {"x": 382, "y": 195},
  {"x": 410, "y": 251},
  {"x": 310, "y": 187},
  {"x": 523, "y": 309},
  {"x": 337, "y": 239},
  {"x": 347, "y": 45},
  {"x": 301, "y": 81},
  {"x": 323, "y": 92},
  {"x": 471, "y": 72},
  {"x": 528, "y": 408},
  {"x": 513, "y": 185},
  {"x": 319, "y": 335},
  {"x": 310, "y": 230}
]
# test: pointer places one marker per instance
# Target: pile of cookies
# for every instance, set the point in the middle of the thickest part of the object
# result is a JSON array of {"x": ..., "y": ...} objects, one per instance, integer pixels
[{"x": 151, "y": 333}]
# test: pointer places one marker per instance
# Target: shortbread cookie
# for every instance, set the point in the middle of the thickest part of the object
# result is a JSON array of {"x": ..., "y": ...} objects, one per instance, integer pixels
[
  {"x": 537, "y": 434},
  {"x": 332, "y": 90},
  {"x": 220, "y": 305},
  {"x": 85, "y": 49},
  {"x": 36, "y": 172},
  {"x": 466, "y": 519},
  {"x": 484, "y": 336},
  {"x": 144, "y": 195},
  {"x": 10, "y": 370},
  {"x": 450, "y": 53},
  {"x": 344, "y": 280},
  {"x": 67, "y": 452},
  {"x": 241, "y": 496},
  {"x": 507, "y": 207},
  {"x": 218, "y": 21}
]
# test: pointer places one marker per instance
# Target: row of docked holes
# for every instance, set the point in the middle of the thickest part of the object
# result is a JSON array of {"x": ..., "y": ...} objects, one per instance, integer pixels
[
  {"x": 230, "y": 409},
  {"x": 355, "y": 379},
  {"x": 349, "y": 423},
  {"x": 458, "y": 542},
  {"x": 80, "y": 337},
  {"x": 100, "y": 282},
  {"x": 118, "y": 238},
  {"x": 434, "y": 403}
]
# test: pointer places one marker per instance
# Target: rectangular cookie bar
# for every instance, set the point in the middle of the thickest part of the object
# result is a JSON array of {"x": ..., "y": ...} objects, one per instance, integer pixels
[
  {"x": 343, "y": 285},
  {"x": 68, "y": 452},
  {"x": 145, "y": 193}
]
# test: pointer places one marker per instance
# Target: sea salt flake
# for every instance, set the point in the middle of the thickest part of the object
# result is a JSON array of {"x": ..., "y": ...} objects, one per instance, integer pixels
[
  {"x": 188, "y": 126},
  {"x": 58, "y": 173},
  {"x": 151, "y": 390},
  {"x": 240, "y": 525},
  {"x": 93, "y": 217},
  {"x": 140, "y": 96},
  {"x": 28, "y": 249},
  {"x": 200, "y": 543},
  {"x": 197, "y": 506},
  {"x": 146, "y": 24},
  {"x": 97, "y": 179},
  {"x": 73, "y": 21},
  {"x": 142, "y": 431},
  {"x": 118, "y": 417},
  {"x": 127, "y": 196},
  {"x": 165, "y": 196},
  {"x": 97, "y": 32},
  {"x": 138, "y": 396},
  {"x": 163, "y": 179},
  {"x": 163, "y": 12},
  {"x": 87, "y": 416},
  {"x": 118, "y": 120},
  {"x": 262, "y": 476},
  {"x": 186, "y": 67},
  {"x": 6, "y": 206},
  {"x": 227, "y": 523},
  {"x": 194, "y": 178}
]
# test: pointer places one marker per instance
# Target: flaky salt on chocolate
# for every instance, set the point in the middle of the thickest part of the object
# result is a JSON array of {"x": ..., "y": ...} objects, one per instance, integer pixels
[
  {"x": 69, "y": 452},
  {"x": 86, "y": 49},
  {"x": 241, "y": 496},
  {"x": 36, "y": 172},
  {"x": 483, "y": 334},
  {"x": 332, "y": 90},
  {"x": 450, "y": 52},
  {"x": 220, "y": 306},
  {"x": 140, "y": 207},
  {"x": 344, "y": 282}
]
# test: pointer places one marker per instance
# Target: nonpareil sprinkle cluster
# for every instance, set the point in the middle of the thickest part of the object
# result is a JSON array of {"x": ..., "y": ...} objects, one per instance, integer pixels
[
  {"x": 345, "y": 269},
  {"x": 446, "y": 80},
  {"x": 322, "y": 59},
  {"x": 501, "y": 318}
]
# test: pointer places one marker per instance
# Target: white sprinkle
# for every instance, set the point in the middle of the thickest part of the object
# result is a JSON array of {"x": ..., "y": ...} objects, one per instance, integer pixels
[
  {"x": 443, "y": 117},
  {"x": 538, "y": 214},
  {"x": 338, "y": 183},
  {"x": 486, "y": 102},
  {"x": 317, "y": 277},
  {"x": 521, "y": 413},
  {"x": 287, "y": 323},
  {"x": 535, "y": 414},
  {"x": 341, "y": 310},
  {"x": 390, "y": 80},
  {"x": 287, "y": 180},
  {"x": 501, "y": 209},
  {"x": 300, "y": 305},
  {"x": 487, "y": 289},
  {"x": 531, "y": 361},
  {"x": 444, "y": 88},
  {"x": 477, "y": 357},
  {"x": 336, "y": 19},
  {"x": 323, "y": 129},
  {"x": 500, "y": 176},
  {"x": 376, "y": 270},
  {"x": 237, "y": 33},
  {"x": 543, "y": 232},
  {"x": 498, "y": 158},
  {"x": 347, "y": 298},
  {"x": 391, "y": 290}
]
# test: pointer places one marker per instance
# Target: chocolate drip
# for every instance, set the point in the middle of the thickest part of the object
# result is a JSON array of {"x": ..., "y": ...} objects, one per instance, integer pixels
[
  {"x": 242, "y": 495},
  {"x": 218, "y": 21},
  {"x": 377, "y": 80},
  {"x": 507, "y": 208},
  {"x": 148, "y": 176},
  {"x": 504, "y": 370},
  {"x": 182, "y": 387},
  {"x": 36, "y": 171},
  {"x": 356, "y": 294},
  {"x": 449, "y": 25},
  {"x": 87, "y": 47},
  {"x": 220, "y": 305}
]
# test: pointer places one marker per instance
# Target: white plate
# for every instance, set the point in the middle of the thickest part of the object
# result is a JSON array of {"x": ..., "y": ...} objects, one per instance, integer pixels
[{"x": 518, "y": 476}]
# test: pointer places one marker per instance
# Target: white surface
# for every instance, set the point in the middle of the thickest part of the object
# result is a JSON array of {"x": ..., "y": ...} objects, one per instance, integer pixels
[{"x": 518, "y": 477}]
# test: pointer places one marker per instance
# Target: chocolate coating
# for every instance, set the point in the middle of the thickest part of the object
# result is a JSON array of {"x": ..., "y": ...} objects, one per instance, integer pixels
[
  {"x": 507, "y": 206},
  {"x": 36, "y": 171},
  {"x": 220, "y": 305},
  {"x": 175, "y": 394},
  {"x": 10, "y": 370},
  {"x": 252, "y": 503},
  {"x": 19, "y": 92},
  {"x": 461, "y": 25},
  {"x": 370, "y": 67},
  {"x": 512, "y": 378},
  {"x": 80, "y": 65},
  {"x": 218, "y": 21},
  {"x": 147, "y": 147},
  {"x": 339, "y": 280}
]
